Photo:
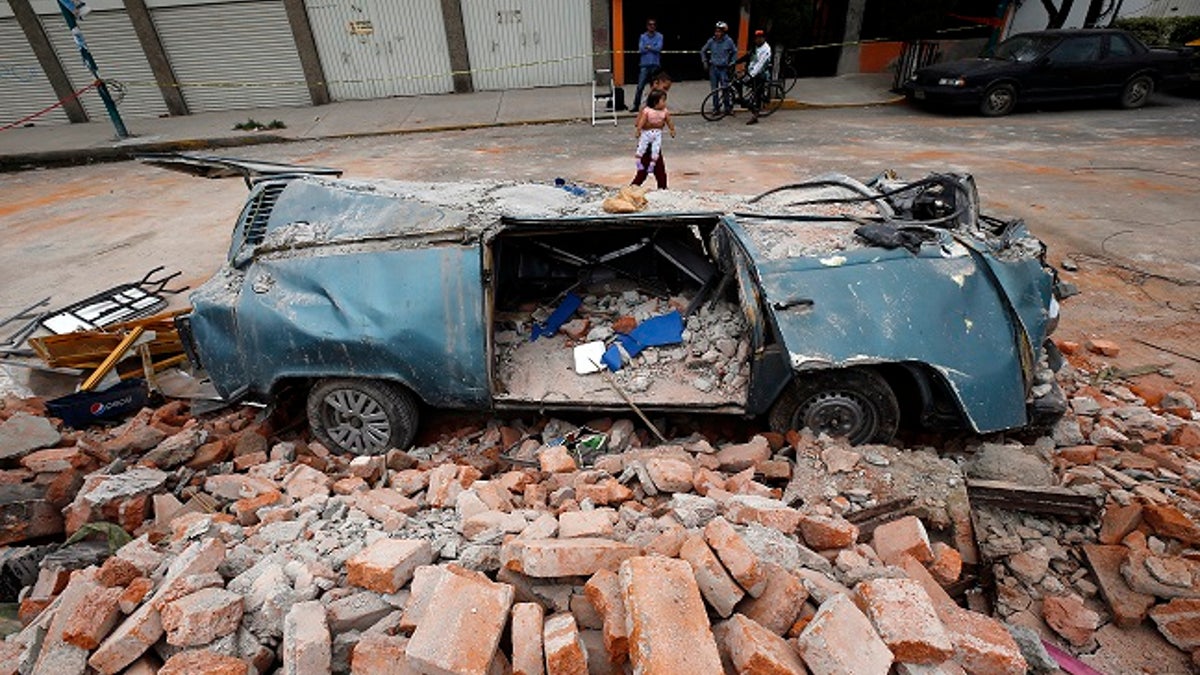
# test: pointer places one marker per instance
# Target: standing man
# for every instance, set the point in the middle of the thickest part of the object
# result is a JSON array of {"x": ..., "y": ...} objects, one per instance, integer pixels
[
  {"x": 718, "y": 57},
  {"x": 650, "y": 46},
  {"x": 759, "y": 70}
]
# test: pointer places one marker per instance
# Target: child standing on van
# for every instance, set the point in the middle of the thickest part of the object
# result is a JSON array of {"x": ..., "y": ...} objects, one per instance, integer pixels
[{"x": 649, "y": 128}]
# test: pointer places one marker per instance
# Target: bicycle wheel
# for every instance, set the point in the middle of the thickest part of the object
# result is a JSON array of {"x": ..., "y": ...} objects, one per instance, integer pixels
[
  {"x": 788, "y": 73},
  {"x": 773, "y": 95},
  {"x": 710, "y": 107}
]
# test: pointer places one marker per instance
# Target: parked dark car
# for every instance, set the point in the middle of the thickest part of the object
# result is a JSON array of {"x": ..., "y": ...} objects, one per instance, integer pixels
[
  {"x": 889, "y": 303},
  {"x": 1053, "y": 65}
]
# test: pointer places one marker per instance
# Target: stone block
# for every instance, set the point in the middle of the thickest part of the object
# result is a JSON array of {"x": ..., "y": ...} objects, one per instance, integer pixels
[
  {"x": 461, "y": 637},
  {"x": 564, "y": 557},
  {"x": 840, "y": 639},
  {"x": 565, "y": 653},
  {"x": 666, "y": 620},
  {"x": 307, "y": 645},
  {"x": 741, "y": 562},
  {"x": 358, "y": 612},
  {"x": 23, "y": 433},
  {"x": 906, "y": 619},
  {"x": 388, "y": 564},
  {"x": 904, "y": 536},
  {"x": 754, "y": 650},
  {"x": 526, "y": 627}
]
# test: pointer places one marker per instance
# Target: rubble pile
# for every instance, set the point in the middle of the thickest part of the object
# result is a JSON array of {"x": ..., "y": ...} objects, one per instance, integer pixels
[
  {"x": 1135, "y": 448},
  {"x": 197, "y": 545},
  {"x": 712, "y": 361},
  {"x": 248, "y": 555}
]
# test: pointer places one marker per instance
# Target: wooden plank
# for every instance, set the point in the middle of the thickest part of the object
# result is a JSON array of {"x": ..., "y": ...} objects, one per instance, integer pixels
[
  {"x": 1055, "y": 501},
  {"x": 117, "y": 354}
]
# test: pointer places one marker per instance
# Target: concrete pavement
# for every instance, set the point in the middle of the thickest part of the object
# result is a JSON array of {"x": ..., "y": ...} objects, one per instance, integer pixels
[{"x": 62, "y": 144}]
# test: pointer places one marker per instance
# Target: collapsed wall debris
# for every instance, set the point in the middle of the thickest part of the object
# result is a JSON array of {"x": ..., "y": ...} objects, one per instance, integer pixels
[{"x": 211, "y": 544}]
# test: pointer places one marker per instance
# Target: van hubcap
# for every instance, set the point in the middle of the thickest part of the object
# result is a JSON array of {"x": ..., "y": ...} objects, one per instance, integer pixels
[{"x": 357, "y": 421}]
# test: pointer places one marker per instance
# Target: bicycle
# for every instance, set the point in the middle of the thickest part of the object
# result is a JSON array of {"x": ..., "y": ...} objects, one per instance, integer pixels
[{"x": 740, "y": 91}]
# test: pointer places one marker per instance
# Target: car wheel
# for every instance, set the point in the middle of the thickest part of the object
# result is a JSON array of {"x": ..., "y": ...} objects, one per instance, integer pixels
[
  {"x": 362, "y": 417},
  {"x": 998, "y": 100},
  {"x": 854, "y": 404},
  {"x": 1137, "y": 92}
]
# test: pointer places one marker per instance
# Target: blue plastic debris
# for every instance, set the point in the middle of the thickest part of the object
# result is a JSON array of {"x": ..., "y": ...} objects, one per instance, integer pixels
[
  {"x": 557, "y": 318},
  {"x": 573, "y": 189},
  {"x": 660, "y": 330}
]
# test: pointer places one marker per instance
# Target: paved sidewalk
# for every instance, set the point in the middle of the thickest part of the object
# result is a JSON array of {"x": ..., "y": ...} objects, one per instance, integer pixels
[{"x": 81, "y": 143}]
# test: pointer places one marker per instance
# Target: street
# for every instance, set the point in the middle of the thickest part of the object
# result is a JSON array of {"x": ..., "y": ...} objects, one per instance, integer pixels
[{"x": 1112, "y": 192}]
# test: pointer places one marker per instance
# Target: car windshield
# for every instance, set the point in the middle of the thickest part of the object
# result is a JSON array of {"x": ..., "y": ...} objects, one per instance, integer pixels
[{"x": 1024, "y": 48}]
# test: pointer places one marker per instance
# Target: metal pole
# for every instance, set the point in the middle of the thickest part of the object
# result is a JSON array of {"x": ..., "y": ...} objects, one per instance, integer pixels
[{"x": 68, "y": 12}]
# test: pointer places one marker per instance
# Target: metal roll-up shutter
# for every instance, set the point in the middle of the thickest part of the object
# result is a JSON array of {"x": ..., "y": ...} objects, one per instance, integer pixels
[
  {"x": 381, "y": 48},
  {"x": 115, "y": 47},
  {"x": 232, "y": 55},
  {"x": 528, "y": 43},
  {"x": 25, "y": 86}
]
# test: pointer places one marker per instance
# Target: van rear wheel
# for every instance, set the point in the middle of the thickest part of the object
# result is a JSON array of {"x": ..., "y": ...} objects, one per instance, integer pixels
[
  {"x": 362, "y": 417},
  {"x": 857, "y": 405}
]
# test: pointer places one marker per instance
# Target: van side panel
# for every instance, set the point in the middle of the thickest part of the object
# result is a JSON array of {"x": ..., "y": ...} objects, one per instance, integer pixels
[{"x": 413, "y": 315}]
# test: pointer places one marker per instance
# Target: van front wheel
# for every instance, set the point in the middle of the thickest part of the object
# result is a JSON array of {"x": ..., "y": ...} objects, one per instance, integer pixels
[
  {"x": 362, "y": 417},
  {"x": 857, "y": 405}
]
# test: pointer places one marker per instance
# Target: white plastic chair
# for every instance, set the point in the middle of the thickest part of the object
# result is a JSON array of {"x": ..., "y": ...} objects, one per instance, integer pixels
[{"x": 604, "y": 96}]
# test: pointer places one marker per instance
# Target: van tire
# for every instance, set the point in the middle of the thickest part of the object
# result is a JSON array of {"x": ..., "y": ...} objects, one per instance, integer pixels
[
  {"x": 362, "y": 417},
  {"x": 857, "y": 404}
]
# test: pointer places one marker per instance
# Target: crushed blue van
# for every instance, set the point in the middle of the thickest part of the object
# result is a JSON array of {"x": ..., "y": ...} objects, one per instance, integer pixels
[{"x": 853, "y": 308}]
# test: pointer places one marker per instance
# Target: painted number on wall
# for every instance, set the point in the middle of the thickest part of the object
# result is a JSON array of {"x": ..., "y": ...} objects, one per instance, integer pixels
[{"x": 508, "y": 16}]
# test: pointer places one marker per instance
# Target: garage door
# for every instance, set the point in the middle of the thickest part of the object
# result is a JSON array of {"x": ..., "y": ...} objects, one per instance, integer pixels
[
  {"x": 381, "y": 48},
  {"x": 115, "y": 46},
  {"x": 231, "y": 55},
  {"x": 26, "y": 89},
  {"x": 528, "y": 43}
]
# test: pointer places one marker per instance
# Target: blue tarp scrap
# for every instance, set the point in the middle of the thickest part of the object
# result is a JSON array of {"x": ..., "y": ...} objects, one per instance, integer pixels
[
  {"x": 557, "y": 318},
  {"x": 660, "y": 330}
]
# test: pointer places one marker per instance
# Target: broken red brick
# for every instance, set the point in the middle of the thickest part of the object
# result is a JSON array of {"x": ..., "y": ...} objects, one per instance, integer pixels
[
  {"x": 827, "y": 532},
  {"x": 526, "y": 628},
  {"x": 1179, "y": 622},
  {"x": 1119, "y": 521},
  {"x": 307, "y": 644},
  {"x": 904, "y": 536},
  {"x": 564, "y": 557},
  {"x": 93, "y": 618},
  {"x": 381, "y": 654},
  {"x": 203, "y": 662},
  {"x": 747, "y": 509},
  {"x": 388, "y": 564},
  {"x": 668, "y": 626},
  {"x": 1169, "y": 521},
  {"x": 947, "y": 563},
  {"x": 777, "y": 608},
  {"x": 594, "y": 523},
  {"x": 754, "y": 650},
  {"x": 840, "y": 639},
  {"x": 604, "y": 591},
  {"x": 462, "y": 636},
  {"x": 1103, "y": 347},
  {"x": 117, "y": 572},
  {"x": 670, "y": 474},
  {"x": 906, "y": 619},
  {"x": 1070, "y": 618},
  {"x": 565, "y": 652},
  {"x": 556, "y": 459},
  {"x": 736, "y": 555},
  {"x": 201, "y": 617},
  {"x": 714, "y": 582},
  {"x": 982, "y": 644},
  {"x": 739, "y": 457},
  {"x": 134, "y": 593}
]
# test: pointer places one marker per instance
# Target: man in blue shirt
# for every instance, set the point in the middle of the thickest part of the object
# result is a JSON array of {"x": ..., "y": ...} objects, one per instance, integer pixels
[
  {"x": 718, "y": 56},
  {"x": 650, "y": 46}
]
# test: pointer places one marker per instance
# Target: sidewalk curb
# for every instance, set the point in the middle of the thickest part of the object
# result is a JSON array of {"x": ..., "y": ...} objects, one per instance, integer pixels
[{"x": 127, "y": 151}]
